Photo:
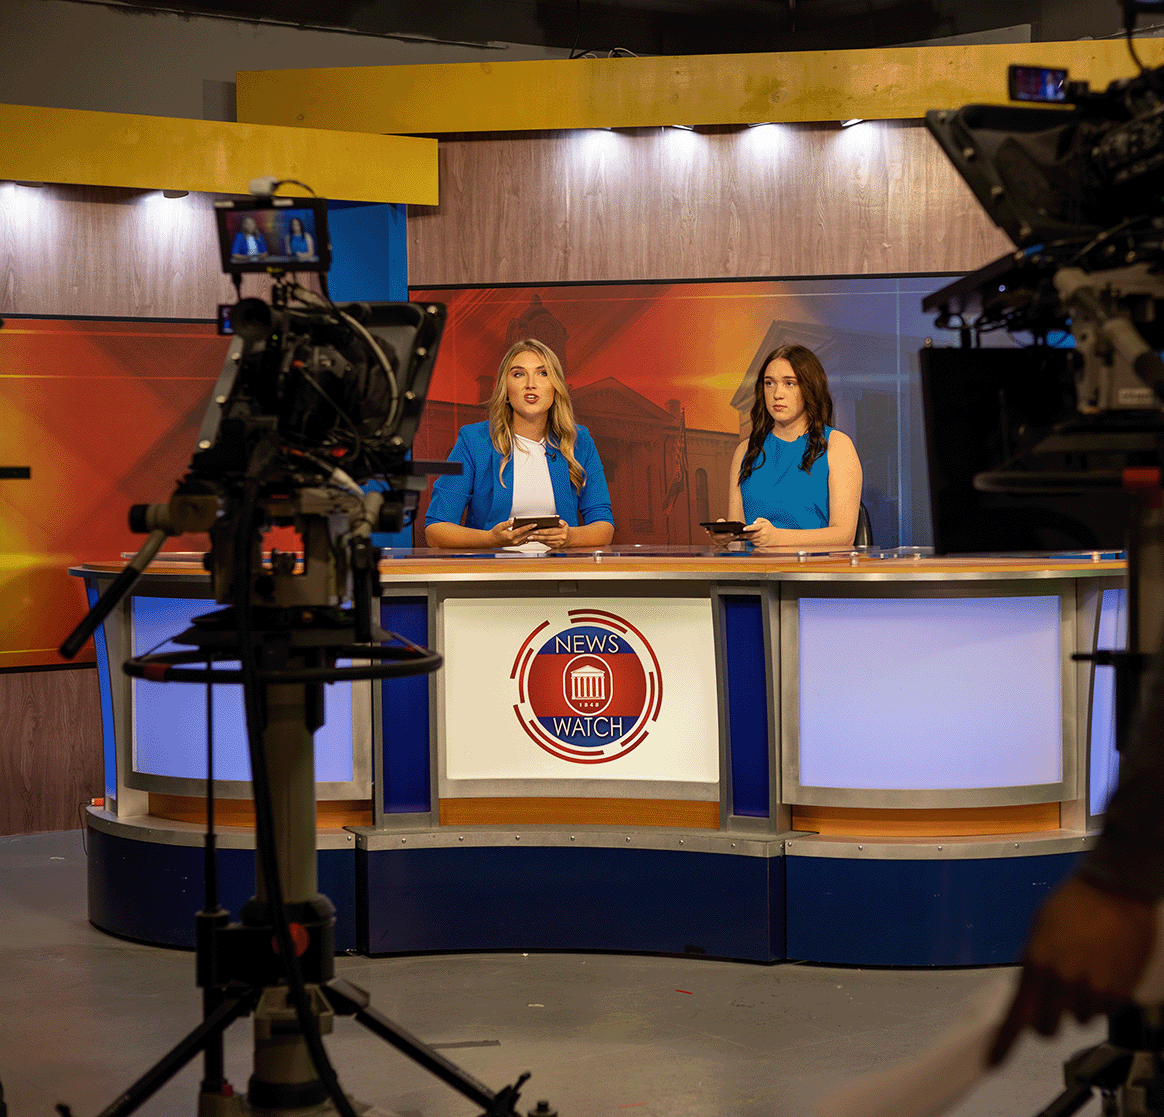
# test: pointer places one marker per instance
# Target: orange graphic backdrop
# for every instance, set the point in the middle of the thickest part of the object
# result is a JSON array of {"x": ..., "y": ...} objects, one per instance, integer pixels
[
  {"x": 106, "y": 414},
  {"x": 691, "y": 341}
]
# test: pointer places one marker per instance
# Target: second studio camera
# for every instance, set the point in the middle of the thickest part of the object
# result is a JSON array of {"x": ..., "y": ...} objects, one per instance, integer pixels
[{"x": 1040, "y": 448}]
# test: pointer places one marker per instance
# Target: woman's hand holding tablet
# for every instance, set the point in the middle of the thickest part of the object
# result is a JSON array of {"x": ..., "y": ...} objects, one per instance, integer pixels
[
  {"x": 541, "y": 523},
  {"x": 550, "y": 530},
  {"x": 509, "y": 534},
  {"x": 734, "y": 528}
]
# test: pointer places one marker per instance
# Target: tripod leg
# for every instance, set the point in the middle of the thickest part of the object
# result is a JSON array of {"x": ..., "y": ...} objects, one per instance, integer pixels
[
  {"x": 349, "y": 1000},
  {"x": 178, "y": 1056},
  {"x": 1068, "y": 1102}
]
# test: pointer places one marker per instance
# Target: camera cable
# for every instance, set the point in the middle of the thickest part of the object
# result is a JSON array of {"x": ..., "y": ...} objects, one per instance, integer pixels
[{"x": 304, "y": 295}]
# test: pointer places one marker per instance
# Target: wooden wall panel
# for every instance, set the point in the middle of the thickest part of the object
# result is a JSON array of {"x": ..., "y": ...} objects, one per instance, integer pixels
[
  {"x": 104, "y": 251},
  {"x": 50, "y": 748},
  {"x": 548, "y": 207},
  {"x": 591, "y": 206}
]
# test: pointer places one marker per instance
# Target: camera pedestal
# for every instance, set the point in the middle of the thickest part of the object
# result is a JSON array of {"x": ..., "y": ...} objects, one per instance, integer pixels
[{"x": 238, "y": 965}]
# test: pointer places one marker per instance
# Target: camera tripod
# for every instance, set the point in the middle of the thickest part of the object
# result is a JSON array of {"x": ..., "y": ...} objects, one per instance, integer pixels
[
  {"x": 1126, "y": 1068},
  {"x": 277, "y": 962}
]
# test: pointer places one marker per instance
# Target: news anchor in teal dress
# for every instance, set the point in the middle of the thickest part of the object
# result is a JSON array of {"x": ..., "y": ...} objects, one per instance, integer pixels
[
  {"x": 796, "y": 482},
  {"x": 299, "y": 242},
  {"x": 528, "y": 459}
]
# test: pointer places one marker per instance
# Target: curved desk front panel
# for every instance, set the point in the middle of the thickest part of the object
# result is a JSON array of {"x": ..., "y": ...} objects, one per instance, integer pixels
[{"x": 889, "y": 760}]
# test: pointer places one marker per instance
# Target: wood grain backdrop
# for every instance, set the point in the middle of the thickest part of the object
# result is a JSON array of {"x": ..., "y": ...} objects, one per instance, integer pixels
[
  {"x": 568, "y": 207},
  {"x": 776, "y": 200},
  {"x": 51, "y": 760}
]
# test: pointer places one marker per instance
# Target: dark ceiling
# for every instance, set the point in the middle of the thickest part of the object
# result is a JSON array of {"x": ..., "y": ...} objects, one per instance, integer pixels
[{"x": 680, "y": 26}]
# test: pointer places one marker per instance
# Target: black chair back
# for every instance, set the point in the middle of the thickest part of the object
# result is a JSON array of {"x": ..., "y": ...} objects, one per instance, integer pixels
[{"x": 864, "y": 536}]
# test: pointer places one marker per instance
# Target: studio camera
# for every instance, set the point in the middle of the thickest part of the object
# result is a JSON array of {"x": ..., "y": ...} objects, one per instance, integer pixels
[
  {"x": 310, "y": 425},
  {"x": 1058, "y": 444},
  {"x": 1044, "y": 447}
]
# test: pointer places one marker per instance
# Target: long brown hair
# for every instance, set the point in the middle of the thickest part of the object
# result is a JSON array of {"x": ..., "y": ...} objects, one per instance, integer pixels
[
  {"x": 561, "y": 430},
  {"x": 818, "y": 407}
]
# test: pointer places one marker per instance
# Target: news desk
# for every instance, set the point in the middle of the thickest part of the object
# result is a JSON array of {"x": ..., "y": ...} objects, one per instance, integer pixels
[{"x": 865, "y": 757}]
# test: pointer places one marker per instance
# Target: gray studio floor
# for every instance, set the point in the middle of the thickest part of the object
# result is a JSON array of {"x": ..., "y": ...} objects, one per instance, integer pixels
[{"x": 82, "y": 1014}]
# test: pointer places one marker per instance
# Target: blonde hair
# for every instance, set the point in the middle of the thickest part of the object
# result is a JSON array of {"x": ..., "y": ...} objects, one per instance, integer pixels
[{"x": 561, "y": 430}]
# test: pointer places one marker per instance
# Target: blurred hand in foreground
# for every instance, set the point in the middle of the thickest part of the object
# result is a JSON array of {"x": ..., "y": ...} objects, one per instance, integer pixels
[{"x": 1086, "y": 952}]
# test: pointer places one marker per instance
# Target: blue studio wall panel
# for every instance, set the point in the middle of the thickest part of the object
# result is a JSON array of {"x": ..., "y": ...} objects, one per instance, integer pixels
[{"x": 369, "y": 250}]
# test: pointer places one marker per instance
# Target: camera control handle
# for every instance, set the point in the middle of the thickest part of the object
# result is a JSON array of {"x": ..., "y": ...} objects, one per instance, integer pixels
[{"x": 116, "y": 591}]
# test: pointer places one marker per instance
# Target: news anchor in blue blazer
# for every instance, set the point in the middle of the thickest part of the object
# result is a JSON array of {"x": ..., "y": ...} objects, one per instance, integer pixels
[{"x": 528, "y": 459}]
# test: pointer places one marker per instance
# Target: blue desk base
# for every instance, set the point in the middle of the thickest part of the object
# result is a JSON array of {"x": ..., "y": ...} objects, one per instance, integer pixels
[
  {"x": 951, "y": 912},
  {"x": 150, "y": 891},
  {"x": 550, "y": 898},
  {"x": 863, "y": 911}
]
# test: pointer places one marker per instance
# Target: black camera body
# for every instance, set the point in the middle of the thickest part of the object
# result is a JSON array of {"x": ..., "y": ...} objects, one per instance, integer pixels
[
  {"x": 346, "y": 384},
  {"x": 1031, "y": 449},
  {"x": 1046, "y": 175}
]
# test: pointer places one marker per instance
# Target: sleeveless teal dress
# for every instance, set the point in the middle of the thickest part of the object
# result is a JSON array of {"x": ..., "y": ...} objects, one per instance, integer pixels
[{"x": 780, "y": 491}]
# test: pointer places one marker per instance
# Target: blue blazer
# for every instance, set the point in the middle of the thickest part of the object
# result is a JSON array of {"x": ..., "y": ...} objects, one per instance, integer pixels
[
  {"x": 489, "y": 503},
  {"x": 239, "y": 245}
]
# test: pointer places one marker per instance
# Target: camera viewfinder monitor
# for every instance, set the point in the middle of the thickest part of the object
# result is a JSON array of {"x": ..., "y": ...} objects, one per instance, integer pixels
[
  {"x": 1043, "y": 84},
  {"x": 273, "y": 234}
]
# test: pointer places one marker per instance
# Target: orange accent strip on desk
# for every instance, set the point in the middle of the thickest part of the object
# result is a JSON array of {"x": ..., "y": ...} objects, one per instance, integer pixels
[
  {"x": 420, "y": 568},
  {"x": 954, "y": 822},
  {"x": 682, "y": 813},
  {"x": 330, "y": 814}
]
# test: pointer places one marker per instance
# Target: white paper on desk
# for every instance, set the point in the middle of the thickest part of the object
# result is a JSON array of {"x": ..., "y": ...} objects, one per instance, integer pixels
[
  {"x": 931, "y": 1082},
  {"x": 532, "y": 547}
]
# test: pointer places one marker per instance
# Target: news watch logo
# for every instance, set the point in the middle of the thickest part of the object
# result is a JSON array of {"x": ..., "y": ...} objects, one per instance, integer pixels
[{"x": 587, "y": 692}]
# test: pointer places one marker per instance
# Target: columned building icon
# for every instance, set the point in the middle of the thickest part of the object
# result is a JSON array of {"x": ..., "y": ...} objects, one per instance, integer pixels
[{"x": 587, "y": 682}]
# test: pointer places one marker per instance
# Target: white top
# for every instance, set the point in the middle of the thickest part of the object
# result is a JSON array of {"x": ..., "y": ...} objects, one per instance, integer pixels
[{"x": 533, "y": 493}]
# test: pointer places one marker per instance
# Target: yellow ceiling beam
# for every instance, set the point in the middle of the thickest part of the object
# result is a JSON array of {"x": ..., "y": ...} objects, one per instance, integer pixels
[
  {"x": 896, "y": 83},
  {"x": 215, "y": 157}
]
